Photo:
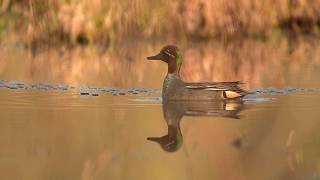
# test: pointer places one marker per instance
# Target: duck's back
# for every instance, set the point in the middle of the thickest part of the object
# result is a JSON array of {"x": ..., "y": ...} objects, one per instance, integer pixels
[{"x": 175, "y": 89}]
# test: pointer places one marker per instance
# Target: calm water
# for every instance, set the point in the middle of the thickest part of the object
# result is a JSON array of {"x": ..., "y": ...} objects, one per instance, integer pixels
[{"x": 57, "y": 133}]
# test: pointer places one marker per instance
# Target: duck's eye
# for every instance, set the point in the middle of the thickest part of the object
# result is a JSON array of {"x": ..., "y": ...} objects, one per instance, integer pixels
[{"x": 167, "y": 52}]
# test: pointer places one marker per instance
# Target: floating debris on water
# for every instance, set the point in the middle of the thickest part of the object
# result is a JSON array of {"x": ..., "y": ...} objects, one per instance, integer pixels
[
  {"x": 237, "y": 143},
  {"x": 14, "y": 85}
]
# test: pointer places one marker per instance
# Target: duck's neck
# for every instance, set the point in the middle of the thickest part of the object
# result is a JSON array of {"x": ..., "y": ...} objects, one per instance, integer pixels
[
  {"x": 174, "y": 135},
  {"x": 174, "y": 131},
  {"x": 173, "y": 68}
]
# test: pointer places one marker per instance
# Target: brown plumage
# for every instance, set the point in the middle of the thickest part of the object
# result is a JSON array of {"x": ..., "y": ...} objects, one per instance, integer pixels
[
  {"x": 174, "y": 111},
  {"x": 175, "y": 89}
]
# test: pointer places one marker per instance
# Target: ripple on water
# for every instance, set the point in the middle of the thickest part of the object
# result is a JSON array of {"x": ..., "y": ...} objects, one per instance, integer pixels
[
  {"x": 285, "y": 90},
  {"x": 256, "y": 99},
  {"x": 155, "y": 100},
  {"x": 97, "y": 91},
  {"x": 83, "y": 90}
]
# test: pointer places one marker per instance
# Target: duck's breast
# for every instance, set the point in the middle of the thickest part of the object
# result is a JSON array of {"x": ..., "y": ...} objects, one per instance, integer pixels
[{"x": 173, "y": 87}]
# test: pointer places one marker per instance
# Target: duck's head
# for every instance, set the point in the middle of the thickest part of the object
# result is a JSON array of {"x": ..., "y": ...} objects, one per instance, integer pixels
[
  {"x": 171, "y": 55},
  {"x": 172, "y": 141}
]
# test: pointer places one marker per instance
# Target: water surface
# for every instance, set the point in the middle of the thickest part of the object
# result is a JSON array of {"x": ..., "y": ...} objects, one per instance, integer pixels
[{"x": 59, "y": 133}]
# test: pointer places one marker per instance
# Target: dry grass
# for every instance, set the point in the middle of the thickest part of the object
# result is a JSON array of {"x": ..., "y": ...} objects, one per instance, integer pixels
[{"x": 107, "y": 22}]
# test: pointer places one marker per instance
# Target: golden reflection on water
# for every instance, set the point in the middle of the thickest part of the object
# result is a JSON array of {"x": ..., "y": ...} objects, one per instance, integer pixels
[
  {"x": 258, "y": 63},
  {"x": 62, "y": 135},
  {"x": 173, "y": 112},
  {"x": 105, "y": 138}
]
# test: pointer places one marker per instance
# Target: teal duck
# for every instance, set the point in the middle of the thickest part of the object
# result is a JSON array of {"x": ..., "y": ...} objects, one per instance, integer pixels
[{"x": 174, "y": 88}]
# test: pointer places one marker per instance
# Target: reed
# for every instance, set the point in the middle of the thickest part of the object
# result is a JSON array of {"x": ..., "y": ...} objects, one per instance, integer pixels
[{"x": 107, "y": 22}]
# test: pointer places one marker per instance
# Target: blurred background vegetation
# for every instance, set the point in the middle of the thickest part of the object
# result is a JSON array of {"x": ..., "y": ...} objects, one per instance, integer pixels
[{"x": 106, "y": 22}]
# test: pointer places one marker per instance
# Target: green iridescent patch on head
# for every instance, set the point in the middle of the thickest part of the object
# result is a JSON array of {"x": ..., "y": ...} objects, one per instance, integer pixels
[
  {"x": 179, "y": 59},
  {"x": 179, "y": 141}
]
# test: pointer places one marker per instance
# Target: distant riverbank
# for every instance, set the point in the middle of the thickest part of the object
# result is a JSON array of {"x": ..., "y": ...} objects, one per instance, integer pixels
[{"x": 73, "y": 22}]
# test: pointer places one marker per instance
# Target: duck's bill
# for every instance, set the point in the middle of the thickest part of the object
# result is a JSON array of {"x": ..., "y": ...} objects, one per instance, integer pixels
[
  {"x": 154, "y": 139},
  {"x": 156, "y": 57}
]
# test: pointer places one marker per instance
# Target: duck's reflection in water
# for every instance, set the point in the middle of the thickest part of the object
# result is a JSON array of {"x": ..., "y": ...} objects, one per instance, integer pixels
[{"x": 174, "y": 111}]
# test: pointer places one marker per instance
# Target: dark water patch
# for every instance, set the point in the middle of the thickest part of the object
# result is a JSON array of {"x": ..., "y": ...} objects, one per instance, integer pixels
[
  {"x": 14, "y": 85},
  {"x": 96, "y": 91}
]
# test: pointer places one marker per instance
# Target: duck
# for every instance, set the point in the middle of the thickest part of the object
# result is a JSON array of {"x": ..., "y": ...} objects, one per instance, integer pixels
[
  {"x": 174, "y": 111},
  {"x": 174, "y": 88}
]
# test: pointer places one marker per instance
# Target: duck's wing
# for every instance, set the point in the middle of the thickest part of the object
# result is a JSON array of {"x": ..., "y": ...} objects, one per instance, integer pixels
[
  {"x": 230, "y": 89},
  {"x": 219, "y": 85}
]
